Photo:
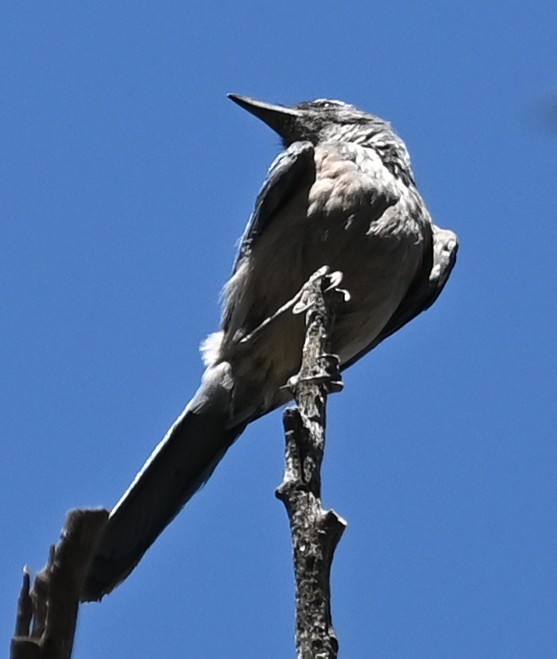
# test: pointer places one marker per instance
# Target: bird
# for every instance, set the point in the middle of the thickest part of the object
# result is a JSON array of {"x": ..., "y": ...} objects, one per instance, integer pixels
[{"x": 341, "y": 194}]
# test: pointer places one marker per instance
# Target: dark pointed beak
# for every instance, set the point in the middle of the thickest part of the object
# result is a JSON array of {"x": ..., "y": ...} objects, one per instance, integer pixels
[{"x": 280, "y": 118}]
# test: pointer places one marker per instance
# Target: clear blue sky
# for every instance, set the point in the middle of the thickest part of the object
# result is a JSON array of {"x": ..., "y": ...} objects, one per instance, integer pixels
[{"x": 126, "y": 177}]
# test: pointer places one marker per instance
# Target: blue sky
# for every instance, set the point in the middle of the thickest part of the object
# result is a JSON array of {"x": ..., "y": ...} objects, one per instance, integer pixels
[{"x": 126, "y": 177}]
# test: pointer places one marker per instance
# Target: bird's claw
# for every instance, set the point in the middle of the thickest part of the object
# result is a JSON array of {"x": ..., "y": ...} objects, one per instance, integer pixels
[
  {"x": 330, "y": 283},
  {"x": 328, "y": 374}
]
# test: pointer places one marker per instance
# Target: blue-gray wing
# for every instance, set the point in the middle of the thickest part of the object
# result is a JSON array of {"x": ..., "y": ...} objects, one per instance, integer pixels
[
  {"x": 290, "y": 170},
  {"x": 426, "y": 287}
]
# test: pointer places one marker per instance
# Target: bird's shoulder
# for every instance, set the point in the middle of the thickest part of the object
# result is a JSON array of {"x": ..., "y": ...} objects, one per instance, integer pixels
[{"x": 290, "y": 170}]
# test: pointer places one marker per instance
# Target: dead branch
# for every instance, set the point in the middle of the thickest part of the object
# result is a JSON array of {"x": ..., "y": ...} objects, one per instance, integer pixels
[
  {"x": 315, "y": 531},
  {"x": 47, "y": 610}
]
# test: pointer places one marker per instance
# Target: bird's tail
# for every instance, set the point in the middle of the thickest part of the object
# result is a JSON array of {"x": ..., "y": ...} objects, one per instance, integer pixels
[{"x": 178, "y": 467}]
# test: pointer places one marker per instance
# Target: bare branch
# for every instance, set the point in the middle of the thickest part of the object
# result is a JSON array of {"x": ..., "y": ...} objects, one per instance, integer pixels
[
  {"x": 315, "y": 531},
  {"x": 47, "y": 611}
]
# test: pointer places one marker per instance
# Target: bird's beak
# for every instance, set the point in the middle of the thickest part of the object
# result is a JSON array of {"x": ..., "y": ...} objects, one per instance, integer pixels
[{"x": 278, "y": 117}]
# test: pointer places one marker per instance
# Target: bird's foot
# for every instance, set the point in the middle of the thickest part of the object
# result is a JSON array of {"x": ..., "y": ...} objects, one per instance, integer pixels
[
  {"x": 330, "y": 281},
  {"x": 327, "y": 373},
  {"x": 302, "y": 301}
]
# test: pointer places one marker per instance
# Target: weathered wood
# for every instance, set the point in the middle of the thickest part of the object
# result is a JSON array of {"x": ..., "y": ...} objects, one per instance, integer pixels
[{"x": 315, "y": 531}]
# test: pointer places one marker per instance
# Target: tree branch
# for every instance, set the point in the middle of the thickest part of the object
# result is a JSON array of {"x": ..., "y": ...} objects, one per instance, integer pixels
[
  {"x": 315, "y": 531},
  {"x": 47, "y": 611}
]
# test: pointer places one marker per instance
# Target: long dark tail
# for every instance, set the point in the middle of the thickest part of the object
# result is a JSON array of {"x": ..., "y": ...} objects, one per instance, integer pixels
[{"x": 178, "y": 467}]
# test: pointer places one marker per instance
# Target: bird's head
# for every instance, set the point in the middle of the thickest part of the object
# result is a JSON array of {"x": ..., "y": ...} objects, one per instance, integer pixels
[
  {"x": 314, "y": 121},
  {"x": 324, "y": 119}
]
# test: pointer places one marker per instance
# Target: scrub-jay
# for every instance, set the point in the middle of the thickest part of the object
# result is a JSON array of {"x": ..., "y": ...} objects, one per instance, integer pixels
[{"x": 341, "y": 194}]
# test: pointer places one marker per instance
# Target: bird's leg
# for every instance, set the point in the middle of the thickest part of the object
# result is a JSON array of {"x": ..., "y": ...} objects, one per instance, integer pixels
[{"x": 301, "y": 302}]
